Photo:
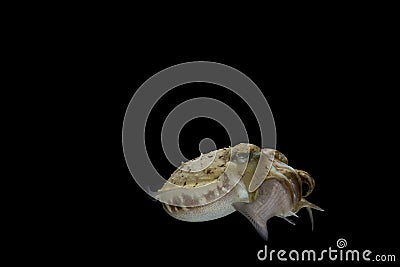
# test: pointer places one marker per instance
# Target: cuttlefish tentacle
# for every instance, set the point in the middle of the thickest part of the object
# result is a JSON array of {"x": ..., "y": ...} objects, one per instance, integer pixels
[
  {"x": 309, "y": 206},
  {"x": 279, "y": 195},
  {"x": 308, "y": 180}
]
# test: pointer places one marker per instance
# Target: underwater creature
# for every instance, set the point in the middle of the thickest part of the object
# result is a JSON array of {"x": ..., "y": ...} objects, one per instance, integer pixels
[{"x": 257, "y": 182}]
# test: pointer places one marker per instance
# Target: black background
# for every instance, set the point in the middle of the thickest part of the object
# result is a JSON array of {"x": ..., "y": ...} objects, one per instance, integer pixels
[{"x": 335, "y": 115}]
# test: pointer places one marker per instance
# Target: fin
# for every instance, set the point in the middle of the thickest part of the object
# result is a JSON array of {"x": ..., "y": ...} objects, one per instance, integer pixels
[
  {"x": 258, "y": 223},
  {"x": 152, "y": 193},
  {"x": 152, "y": 198},
  {"x": 288, "y": 220},
  {"x": 293, "y": 214}
]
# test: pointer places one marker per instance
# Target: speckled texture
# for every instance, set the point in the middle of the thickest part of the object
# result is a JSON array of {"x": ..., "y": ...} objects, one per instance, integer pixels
[
  {"x": 212, "y": 211},
  {"x": 259, "y": 183}
]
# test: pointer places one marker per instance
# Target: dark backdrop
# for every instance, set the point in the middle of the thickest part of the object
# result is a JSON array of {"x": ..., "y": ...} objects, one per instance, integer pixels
[{"x": 335, "y": 118}]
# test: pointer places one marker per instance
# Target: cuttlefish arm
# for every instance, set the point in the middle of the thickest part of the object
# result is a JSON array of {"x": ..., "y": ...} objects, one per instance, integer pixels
[{"x": 280, "y": 194}]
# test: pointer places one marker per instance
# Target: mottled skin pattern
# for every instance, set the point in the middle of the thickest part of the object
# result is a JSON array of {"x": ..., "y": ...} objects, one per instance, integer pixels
[
  {"x": 214, "y": 210},
  {"x": 258, "y": 183}
]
